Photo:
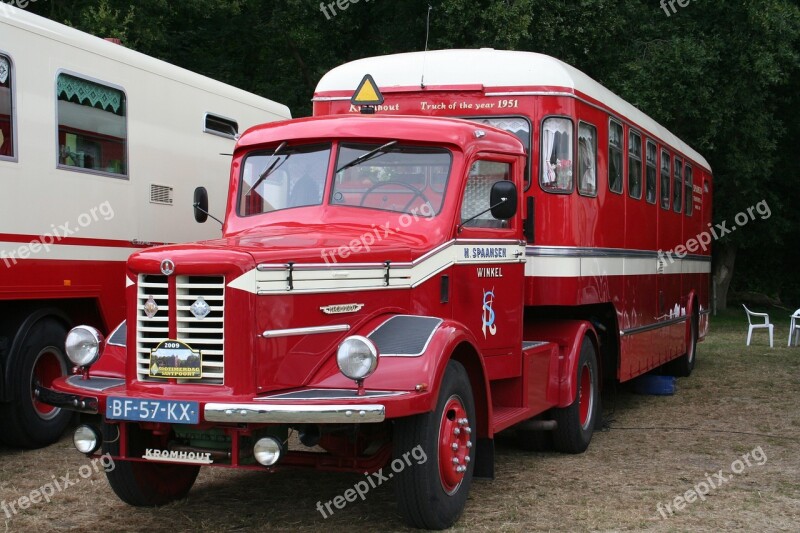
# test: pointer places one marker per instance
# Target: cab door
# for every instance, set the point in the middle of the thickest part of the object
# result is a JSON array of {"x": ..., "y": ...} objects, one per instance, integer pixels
[{"x": 488, "y": 276}]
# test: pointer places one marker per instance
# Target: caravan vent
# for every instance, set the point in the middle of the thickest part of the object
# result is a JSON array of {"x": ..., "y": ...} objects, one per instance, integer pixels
[{"x": 160, "y": 194}]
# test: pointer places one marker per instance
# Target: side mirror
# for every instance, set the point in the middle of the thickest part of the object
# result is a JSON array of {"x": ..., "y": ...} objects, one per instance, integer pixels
[
  {"x": 503, "y": 199},
  {"x": 200, "y": 204}
]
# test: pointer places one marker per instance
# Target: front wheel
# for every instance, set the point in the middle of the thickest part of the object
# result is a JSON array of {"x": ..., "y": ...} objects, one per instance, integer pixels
[
  {"x": 576, "y": 423},
  {"x": 432, "y": 494},
  {"x": 145, "y": 484}
]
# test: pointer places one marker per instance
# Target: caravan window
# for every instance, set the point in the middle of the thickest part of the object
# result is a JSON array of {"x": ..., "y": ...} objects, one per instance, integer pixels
[
  {"x": 7, "y": 149},
  {"x": 92, "y": 126}
]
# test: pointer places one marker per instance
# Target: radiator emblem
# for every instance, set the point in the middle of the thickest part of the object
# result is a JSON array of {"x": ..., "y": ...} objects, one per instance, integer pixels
[{"x": 167, "y": 267}]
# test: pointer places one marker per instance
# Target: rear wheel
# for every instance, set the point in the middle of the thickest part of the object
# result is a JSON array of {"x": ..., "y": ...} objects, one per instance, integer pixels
[
  {"x": 432, "y": 494},
  {"x": 41, "y": 359},
  {"x": 576, "y": 423},
  {"x": 683, "y": 365},
  {"x": 145, "y": 484}
]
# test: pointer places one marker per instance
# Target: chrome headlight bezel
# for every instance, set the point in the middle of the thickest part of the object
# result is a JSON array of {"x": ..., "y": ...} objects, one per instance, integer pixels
[
  {"x": 357, "y": 357},
  {"x": 83, "y": 345}
]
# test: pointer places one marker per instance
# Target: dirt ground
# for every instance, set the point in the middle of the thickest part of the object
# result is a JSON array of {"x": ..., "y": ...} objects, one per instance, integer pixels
[{"x": 736, "y": 418}]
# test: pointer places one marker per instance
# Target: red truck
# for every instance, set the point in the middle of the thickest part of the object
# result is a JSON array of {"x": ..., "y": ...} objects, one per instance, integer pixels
[{"x": 383, "y": 300}]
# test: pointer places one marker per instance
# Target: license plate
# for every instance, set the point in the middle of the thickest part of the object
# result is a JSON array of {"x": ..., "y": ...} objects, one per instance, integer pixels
[{"x": 173, "y": 412}]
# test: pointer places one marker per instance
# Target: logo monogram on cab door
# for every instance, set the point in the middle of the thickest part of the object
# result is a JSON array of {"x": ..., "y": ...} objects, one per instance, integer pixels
[{"x": 488, "y": 313}]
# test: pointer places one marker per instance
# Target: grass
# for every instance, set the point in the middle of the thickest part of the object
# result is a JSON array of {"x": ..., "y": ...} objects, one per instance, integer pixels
[{"x": 656, "y": 448}]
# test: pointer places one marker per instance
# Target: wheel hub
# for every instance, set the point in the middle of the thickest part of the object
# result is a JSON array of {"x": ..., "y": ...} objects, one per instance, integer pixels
[{"x": 454, "y": 444}]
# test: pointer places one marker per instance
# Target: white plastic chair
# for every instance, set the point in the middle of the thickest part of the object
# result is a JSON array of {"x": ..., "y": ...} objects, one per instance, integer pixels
[
  {"x": 794, "y": 327},
  {"x": 757, "y": 325}
]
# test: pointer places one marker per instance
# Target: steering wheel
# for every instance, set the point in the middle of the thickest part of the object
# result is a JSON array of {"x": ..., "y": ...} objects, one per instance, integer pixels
[{"x": 417, "y": 192}]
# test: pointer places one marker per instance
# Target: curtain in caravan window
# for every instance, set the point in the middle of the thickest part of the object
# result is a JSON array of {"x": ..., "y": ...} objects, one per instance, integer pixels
[
  {"x": 587, "y": 155},
  {"x": 557, "y": 152}
]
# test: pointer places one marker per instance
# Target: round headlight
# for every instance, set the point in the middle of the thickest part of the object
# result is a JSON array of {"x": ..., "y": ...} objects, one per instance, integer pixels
[
  {"x": 267, "y": 451},
  {"x": 83, "y": 345},
  {"x": 86, "y": 439},
  {"x": 357, "y": 357}
]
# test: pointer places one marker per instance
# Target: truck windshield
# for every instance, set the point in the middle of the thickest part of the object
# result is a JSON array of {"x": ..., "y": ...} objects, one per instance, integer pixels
[
  {"x": 406, "y": 179},
  {"x": 280, "y": 179}
]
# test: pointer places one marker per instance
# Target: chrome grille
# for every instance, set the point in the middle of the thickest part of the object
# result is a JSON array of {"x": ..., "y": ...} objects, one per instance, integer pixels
[{"x": 204, "y": 334}]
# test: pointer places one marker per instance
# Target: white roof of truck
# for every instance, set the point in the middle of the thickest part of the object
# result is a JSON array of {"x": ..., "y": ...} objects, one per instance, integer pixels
[{"x": 490, "y": 68}]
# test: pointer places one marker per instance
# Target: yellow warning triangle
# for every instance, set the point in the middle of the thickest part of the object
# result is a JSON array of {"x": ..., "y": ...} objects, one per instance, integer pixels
[{"x": 367, "y": 93}]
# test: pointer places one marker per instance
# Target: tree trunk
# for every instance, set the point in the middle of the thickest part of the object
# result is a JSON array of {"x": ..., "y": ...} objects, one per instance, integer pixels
[{"x": 722, "y": 269}]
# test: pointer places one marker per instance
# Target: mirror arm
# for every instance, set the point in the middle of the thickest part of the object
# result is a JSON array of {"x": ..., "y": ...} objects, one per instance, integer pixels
[
  {"x": 470, "y": 219},
  {"x": 197, "y": 206}
]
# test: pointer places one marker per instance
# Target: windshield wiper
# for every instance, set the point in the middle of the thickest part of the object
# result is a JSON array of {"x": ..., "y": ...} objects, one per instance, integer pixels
[
  {"x": 270, "y": 169},
  {"x": 365, "y": 157}
]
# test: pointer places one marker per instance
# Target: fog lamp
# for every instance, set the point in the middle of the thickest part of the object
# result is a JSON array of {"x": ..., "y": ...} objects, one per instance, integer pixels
[
  {"x": 267, "y": 451},
  {"x": 86, "y": 439}
]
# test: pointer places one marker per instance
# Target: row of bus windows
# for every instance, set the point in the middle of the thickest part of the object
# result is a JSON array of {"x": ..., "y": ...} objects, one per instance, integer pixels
[
  {"x": 92, "y": 123},
  {"x": 643, "y": 170}
]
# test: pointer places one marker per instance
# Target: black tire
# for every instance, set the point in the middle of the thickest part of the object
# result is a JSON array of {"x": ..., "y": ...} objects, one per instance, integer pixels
[
  {"x": 28, "y": 423},
  {"x": 145, "y": 484},
  {"x": 422, "y": 498},
  {"x": 682, "y": 366},
  {"x": 576, "y": 423}
]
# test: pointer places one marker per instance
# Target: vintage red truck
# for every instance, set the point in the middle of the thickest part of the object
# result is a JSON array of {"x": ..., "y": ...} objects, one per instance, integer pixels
[{"x": 388, "y": 284}]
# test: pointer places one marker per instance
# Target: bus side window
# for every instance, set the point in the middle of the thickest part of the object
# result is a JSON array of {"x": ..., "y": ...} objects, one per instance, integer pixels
[
  {"x": 587, "y": 159},
  {"x": 650, "y": 173},
  {"x": 687, "y": 177},
  {"x": 615, "y": 156},
  {"x": 6, "y": 109},
  {"x": 92, "y": 126},
  {"x": 665, "y": 179},
  {"x": 634, "y": 165},
  {"x": 557, "y": 155},
  {"x": 677, "y": 191}
]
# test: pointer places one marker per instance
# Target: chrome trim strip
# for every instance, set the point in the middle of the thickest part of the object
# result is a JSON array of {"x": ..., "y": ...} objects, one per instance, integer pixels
[
  {"x": 583, "y": 251},
  {"x": 650, "y": 327},
  {"x": 346, "y": 394},
  {"x": 314, "y": 330},
  {"x": 294, "y": 414}
]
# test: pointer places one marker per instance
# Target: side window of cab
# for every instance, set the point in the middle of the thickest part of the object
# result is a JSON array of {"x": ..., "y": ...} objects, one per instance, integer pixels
[{"x": 475, "y": 205}]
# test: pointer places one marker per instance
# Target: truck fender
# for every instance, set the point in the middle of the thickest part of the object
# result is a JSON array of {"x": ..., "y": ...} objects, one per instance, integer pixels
[{"x": 568, "y": 335}]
